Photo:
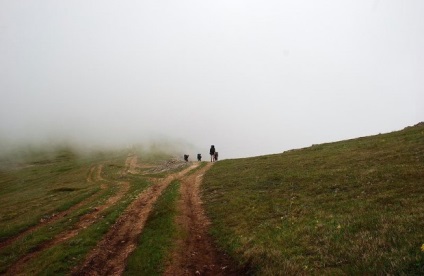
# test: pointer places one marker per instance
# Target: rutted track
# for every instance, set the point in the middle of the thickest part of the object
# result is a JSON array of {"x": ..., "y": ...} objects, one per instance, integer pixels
[
  {"x": 95, "y": 174},
  {"x": 197, "y": 254},
  {"x": 109, "y": 256}
]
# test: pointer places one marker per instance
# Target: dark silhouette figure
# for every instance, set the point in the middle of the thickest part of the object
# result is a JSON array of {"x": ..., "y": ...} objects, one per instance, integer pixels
[
  {"x": 199, "y": 157},
  {"x": 186, "y": 157},
  {"x": 215, "y": 156},
  {"x": 212, "y": 153}
]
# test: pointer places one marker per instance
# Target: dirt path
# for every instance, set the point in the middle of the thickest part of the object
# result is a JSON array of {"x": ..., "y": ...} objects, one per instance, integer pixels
[
  {"x": 131, "y": 164},
  {"x": 197, "y": 254},
  {"x": 95, "y": 174},
  {"x": 109, "y": 256}
]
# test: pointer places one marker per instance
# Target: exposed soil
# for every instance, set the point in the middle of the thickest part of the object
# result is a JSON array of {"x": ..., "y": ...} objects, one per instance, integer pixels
[
  {"x": 95, "y": 174},
  {"x": 109, "y": 256},
  {"x": 131, "y": 164},
  {"x": 197, "y": 254},
  {"x": 170, "y": 165}
]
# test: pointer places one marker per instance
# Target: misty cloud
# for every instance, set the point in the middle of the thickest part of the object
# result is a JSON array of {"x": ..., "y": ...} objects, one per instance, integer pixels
[{"x": 251, "y": 77}]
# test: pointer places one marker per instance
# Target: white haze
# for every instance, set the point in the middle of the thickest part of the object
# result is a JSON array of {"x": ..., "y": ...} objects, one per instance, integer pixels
[{"x": 250, "y": 77}]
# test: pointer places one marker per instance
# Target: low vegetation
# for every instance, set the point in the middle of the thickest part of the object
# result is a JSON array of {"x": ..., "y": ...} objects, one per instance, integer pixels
[
  {"x": 34, "y": 191},
  {"x": 349, "y": 207}
]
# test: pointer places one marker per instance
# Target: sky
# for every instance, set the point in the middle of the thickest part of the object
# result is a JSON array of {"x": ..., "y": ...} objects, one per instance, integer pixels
[{"x": 250, "y": 77}]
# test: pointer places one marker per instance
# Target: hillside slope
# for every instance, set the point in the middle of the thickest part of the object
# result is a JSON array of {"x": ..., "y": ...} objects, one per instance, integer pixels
[{"x": 349, "y": 207}]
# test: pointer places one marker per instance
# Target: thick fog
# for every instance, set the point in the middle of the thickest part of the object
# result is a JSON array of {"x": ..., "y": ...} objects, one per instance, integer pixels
[{"x": 250, "y": 77}]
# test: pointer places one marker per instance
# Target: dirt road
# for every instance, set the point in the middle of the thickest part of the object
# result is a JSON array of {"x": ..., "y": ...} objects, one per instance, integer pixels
[
  {"x": 110, "y": 255},
  {"x": 195, "y": 255}
]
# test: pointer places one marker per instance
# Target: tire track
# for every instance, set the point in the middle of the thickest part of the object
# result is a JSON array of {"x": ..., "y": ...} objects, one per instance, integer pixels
[
  {"x": 95, "y": 174},
  {"x": 110, "y": 255},
  {"x": 197, "y": 254}
]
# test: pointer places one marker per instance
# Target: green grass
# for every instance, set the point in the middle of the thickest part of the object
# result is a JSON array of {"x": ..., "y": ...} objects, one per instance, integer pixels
[
  {"x": 36, "y": 191},
  {"x": 157, "y": 238},
  {"x": 350, "y": 207}
]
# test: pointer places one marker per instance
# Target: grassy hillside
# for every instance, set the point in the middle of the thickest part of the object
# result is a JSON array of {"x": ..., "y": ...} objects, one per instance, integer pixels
[{"x": 349, "y": 207}]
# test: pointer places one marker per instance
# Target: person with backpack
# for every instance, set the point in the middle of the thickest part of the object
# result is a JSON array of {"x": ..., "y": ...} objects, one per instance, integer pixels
[{"x": 212, "y": 153}]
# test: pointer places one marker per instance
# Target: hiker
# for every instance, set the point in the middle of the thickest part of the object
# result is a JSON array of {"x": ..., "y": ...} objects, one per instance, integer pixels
[
  {"x": 199, "y": 157},
  {"x": 215, "y": 156},
  {"x": 186, "y": 157},
  {"x": 212, "y": 153}
]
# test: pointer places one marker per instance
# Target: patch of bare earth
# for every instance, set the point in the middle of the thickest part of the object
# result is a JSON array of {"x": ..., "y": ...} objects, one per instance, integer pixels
[
  {"x": 197, "y": 254},
  {"x": 110, "y": 255},
  {"x": 131, "y": 164},
  {"x": 95, "y": 174},
  {"x": 170, "y": 165}
]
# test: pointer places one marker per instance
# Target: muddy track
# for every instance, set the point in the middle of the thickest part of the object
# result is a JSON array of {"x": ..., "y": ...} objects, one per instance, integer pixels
[
  {"x": 110, "y": 255},
  {"x": 94, "y": 175},
  {"x": 197, "y": 254},
  {"x": 130, "y": 164}
]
